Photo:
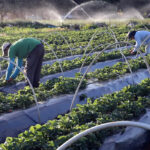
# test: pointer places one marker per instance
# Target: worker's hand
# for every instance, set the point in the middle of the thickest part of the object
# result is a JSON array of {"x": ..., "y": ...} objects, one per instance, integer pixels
[
  {"x": 132, "y": 52},
  {"x": 10, "y": 80}
]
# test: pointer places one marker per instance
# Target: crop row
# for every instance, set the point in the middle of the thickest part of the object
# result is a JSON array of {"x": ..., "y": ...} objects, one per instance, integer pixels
[
  {"x": 77, "y": 41},
  {"x": 72, "y": 64},
  {"x": 24, "y": 98},
  {"x": 66, "y": 50},
  {"x": 62, "y": 41},
  {"x": 126, "y": 104},
  {"x": 118, "y": 69},
  {"x": 59, "y": 40}
]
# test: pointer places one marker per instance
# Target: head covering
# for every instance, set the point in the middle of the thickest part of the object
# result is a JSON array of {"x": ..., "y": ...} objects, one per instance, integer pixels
[
  {"x": 131, "y": 34},
  {"x": 4, "y": 46}
]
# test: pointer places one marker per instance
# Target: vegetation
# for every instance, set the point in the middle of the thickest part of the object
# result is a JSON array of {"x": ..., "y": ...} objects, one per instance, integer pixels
[
  {"x": 24, "y": 98},
  {"x": 77, "y": 44},
  {"x": 127, "y": 104}
]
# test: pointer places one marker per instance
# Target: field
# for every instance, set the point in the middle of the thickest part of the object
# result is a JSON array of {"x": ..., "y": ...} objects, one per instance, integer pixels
[{"x": 69, "y": 50}]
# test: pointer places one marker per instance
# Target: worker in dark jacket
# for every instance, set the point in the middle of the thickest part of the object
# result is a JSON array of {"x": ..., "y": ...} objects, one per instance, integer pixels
[
  {"x": 141, "y": 38},
  {"x": 29, "y": 48}
]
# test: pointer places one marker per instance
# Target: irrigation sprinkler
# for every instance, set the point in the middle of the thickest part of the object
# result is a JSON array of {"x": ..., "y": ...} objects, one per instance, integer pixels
[
  {"x": 101, "y": 127},
  {"x": 76, "y": 7},
  {"x": 35, "y": 98}
]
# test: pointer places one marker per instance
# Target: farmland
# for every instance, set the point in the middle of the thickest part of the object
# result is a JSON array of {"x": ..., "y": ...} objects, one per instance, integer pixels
[{"x": 68, "y": 53}]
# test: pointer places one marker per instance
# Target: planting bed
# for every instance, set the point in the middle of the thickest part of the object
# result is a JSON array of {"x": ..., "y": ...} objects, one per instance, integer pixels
[{"x": 112, "y": 89}]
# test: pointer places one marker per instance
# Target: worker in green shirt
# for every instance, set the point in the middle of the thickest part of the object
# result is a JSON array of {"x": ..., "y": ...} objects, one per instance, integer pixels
[{"x": 29, "y": 48}]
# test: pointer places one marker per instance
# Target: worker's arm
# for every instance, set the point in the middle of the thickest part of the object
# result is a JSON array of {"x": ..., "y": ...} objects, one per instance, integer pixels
[
  {"x": 137, "y": 45},
  {"x": 16, "y": 72},
  {"x": 9, "y": 69}
]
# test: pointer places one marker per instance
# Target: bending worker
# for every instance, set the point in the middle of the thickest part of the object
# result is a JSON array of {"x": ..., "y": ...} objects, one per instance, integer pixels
[
  {"x": 29, "y": 48},
  {"x": 141, "y": 38}
]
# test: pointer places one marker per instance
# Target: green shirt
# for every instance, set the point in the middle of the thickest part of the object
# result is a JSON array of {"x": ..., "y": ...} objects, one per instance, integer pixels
[{"x": 22, "y": 47}]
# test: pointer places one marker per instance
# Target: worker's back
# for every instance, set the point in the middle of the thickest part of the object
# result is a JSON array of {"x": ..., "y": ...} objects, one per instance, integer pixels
[
  {"x": 142, "y": 37},
  {"x": 23, "y": 47}
]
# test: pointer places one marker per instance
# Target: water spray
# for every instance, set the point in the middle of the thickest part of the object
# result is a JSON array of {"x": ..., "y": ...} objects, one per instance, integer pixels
[{"x": 79, "y": 6}]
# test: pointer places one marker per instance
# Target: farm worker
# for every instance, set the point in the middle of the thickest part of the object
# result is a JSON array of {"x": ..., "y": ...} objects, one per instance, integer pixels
[
  {"x": 141, "y": 38},
  {"x": 29, "y": 48}
]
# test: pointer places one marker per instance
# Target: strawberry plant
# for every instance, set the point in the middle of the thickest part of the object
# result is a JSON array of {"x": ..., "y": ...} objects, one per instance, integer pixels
[{"x": 120, "y": 105}]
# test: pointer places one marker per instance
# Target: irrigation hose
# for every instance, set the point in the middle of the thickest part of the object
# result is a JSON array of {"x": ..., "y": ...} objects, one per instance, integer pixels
[{"x": 101, "y": 127}]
